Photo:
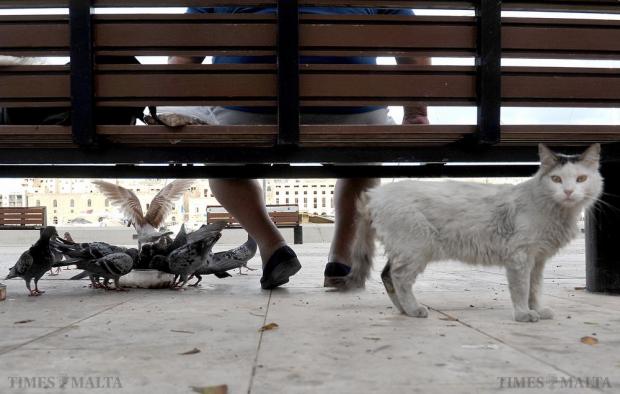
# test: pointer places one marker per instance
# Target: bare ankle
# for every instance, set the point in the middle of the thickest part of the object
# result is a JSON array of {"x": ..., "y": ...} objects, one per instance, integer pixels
[{"x": 266, "y": 251}]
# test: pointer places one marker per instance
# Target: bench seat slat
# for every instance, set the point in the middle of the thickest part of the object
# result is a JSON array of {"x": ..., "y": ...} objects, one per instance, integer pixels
[{"x": 335, "y": 85}]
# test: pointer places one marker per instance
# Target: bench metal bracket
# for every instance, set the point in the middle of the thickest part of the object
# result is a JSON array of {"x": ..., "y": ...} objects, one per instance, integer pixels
[
  {"x": 288, "y": 72},
  {"x": 488, "y": 63},
  {"x": 82, "y": 73}
]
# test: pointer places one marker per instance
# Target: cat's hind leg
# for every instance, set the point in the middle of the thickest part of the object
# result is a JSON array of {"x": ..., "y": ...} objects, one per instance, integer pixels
[
  {"x": 518, "y": 274},
  {"x": 386, "y": 277},
  {"x": 403, "y": 275},
  {"x": 536, "y": 285}
]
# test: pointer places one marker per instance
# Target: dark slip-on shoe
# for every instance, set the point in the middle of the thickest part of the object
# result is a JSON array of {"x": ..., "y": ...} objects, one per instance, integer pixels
[{"x": 281, "y": 265}]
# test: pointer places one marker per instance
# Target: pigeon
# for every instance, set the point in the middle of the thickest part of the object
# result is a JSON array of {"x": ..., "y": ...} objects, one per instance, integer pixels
[
  {"x": 111, "y": 266},
  {"x": 185, "y": 260},
  {"x": 218, "y": 263},
  {"x": 86, "y": 250},
  {"x": 145, "y": 224},
  {"x": 67, "y": 236},
  {"x": 36, "y": 261},
  {"x": 163, "y": 247}
]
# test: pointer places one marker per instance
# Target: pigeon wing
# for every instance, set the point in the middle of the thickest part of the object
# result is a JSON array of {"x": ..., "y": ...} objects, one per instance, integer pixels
[
  {"x": 233, "y": 258},
  {"x": 207, "y": 231},
  {"x": 162, "y": 203},
  {"x": 179, "y": 240},
  {"x": 24, "y": 263},
  {"x": 125, "y": 199}
]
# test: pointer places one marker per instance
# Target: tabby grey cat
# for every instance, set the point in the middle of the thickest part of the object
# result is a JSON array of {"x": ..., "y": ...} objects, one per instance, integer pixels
[{"x": 516, "y": 226}]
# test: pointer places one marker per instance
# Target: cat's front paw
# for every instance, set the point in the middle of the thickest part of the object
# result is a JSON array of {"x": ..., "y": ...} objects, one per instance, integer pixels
[
  {"x": 420, "y": 311},
  {"x": 545, "y": 313},
  {"x": 527, "y": 316}
]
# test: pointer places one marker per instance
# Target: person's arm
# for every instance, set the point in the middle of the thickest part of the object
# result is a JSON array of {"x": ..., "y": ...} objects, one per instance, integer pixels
[{"x": 415, "y": 113}]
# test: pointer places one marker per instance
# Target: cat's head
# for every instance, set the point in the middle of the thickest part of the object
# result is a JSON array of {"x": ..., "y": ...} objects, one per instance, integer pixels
[{"x": 571, "y": 180}]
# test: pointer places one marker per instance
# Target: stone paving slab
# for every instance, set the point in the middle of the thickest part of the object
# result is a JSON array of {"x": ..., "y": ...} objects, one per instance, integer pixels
[{"x": 325, "y": 342}]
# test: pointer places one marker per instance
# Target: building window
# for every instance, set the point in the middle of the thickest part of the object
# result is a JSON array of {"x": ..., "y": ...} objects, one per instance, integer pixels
[
  {"x": 38, "y": 203},
  {"x": 89, "y": 203},
  {"x": 296, "y": 201},
  {"x": 315, "y": 203},
  {"x": 15, "y": 201},
  {"x": 323, "y": 201},
  {"x": 72, "y": 203},
  {"x": 174, "y": 220},
  {"x": 277, "y": 193},
  {"x": 55, "y": 220},
  {"x": 55, "y": 204},
  {"x": 305, "y": 202},
  {"x": 287, "y": 200},
  {"x": 107, "y": 202}
]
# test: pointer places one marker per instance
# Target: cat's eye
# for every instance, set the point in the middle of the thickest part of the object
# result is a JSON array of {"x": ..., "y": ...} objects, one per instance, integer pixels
[
  {"x": 582, "y": 178},
  {"x": 556, "y": 179}
]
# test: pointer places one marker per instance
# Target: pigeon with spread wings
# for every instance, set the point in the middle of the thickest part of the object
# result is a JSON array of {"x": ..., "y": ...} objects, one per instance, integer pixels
[{"x": 145, "y": 224}]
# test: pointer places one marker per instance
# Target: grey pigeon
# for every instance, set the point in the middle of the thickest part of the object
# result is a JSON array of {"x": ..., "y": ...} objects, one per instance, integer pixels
[
  {"x": 218, "y": 263},
  {"x": 109, "y": 267},
  {"x": 184, "y": 261},
  {"x": 87, "y": 250},
  {"x": 36, "y": 261}
]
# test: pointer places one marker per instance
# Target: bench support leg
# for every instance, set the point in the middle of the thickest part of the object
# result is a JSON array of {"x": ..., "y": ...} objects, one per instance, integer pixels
[
  {"x": 602, "y": 235},
  {"x": 298, "y": 235}
]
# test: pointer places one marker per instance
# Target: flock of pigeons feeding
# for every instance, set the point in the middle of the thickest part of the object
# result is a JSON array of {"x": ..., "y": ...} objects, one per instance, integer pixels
[{"x": 187, "y": 255}]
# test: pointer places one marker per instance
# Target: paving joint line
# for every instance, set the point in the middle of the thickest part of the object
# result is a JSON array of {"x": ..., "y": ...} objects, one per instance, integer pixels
[
  {"x": 502, "y": 341},
  {"x": 61, "y": 329},
  {"x": 258, "y": 346}
]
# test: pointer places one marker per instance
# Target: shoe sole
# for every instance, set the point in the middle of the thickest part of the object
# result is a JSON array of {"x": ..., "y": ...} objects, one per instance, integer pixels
[{"x": 281, "y": 274}]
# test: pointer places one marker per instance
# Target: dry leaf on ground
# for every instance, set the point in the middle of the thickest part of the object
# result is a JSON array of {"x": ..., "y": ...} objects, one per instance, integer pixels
[
  {"x": 221, "y": 389},
  {"x": 267, "y": 327},
  {"x": 193, "y": 351},
  {"x": 589, "y": 340},
  {"x": 24, "y": 321}
]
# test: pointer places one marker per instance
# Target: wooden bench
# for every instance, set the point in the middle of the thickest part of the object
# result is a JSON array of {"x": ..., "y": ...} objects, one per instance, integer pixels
[
  {"x": 259, "y": 151},
  {"x": 283, "y": 216},
  {"x": 28, "y": 218}
]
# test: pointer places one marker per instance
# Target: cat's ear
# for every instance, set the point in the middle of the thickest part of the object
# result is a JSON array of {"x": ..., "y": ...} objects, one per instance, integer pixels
[
  {"x": 548, "y": 159},
  {"x": 592, "y": 156}
]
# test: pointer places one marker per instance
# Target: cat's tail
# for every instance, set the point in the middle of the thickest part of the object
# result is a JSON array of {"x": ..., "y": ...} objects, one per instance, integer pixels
[{"x": 363, "y": 248}]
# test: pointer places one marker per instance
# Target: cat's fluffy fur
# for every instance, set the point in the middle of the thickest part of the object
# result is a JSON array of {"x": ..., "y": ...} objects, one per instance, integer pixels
[{"x": 516, "y": 226}]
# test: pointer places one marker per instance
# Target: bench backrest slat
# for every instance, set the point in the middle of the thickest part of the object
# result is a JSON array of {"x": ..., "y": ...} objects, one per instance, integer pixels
[{"x": 27, "y": 216}]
